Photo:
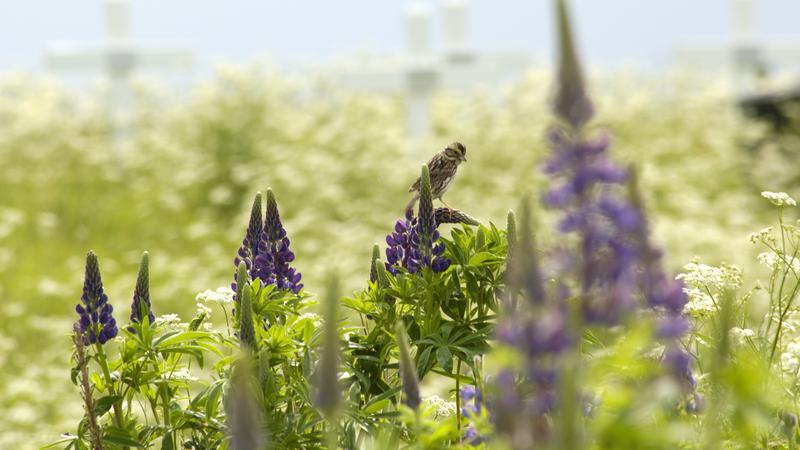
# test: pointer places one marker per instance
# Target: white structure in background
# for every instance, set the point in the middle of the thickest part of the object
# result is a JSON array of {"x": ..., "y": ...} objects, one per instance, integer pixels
[
  {"x": 746, "y": 58},
  {"x": 117, "y": 60},
  {"x": 422, "y": 71}
]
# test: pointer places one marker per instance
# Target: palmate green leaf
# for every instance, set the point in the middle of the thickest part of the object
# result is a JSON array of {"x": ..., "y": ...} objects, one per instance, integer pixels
[
  {"x": 118, "y": 436},
  {"x": 105, "y": 403},
  {"x": 485, "y": 258},
  {"x": 167, "y": 442},
  {"x": 175, "y": 337},
  {"x": 445, "y": 359}
]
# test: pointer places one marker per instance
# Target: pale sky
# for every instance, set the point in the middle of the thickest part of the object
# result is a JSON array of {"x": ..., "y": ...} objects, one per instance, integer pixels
[{"x": 612, "y": 33}]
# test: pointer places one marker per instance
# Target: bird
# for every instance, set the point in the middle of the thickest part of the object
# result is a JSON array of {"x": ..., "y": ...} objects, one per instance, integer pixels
[{"x": 442, "y": 168}]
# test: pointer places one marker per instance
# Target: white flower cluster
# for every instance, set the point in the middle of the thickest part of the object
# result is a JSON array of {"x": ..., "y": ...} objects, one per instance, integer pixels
[
  {"x": 171, "y": 321},
  {"x": 740, "y": 335},
  {"x": 223, "y": 295},
  {"x": 202, "y": 310},
  {"x": 763, "y": 235},
  {"x": 181, "y": 374},
  {"x": 702, "y": 281},
  {"x": 315, "y": 319},
  {"x": 779, "y": 198},
  {"x": 715, "y": 278},
  {"x": 775, "y": 261},
  {"x": 443, "y": 408},
  {"x": 790, "y": 358}
]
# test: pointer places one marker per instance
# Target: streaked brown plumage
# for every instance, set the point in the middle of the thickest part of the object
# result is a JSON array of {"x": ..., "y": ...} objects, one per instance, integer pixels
[{"x": 442, "y": 167}]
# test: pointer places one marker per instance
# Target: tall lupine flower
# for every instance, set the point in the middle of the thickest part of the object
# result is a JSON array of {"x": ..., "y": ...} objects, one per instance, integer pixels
[
  {"x": 271, "y": 263},
  {"x": 667, "y": 296},
  {"x": 539, "y": 331},
  {"x": 328, "y": 393},
  {"x": 471, "y": 394},
  {"x": 96, "y": 321},
  {"x": 408, "y": 371},
  {"x": 413, "y": 244},
  {"x": 249, "y": 249},
  {"x": 141, "y": 294}
]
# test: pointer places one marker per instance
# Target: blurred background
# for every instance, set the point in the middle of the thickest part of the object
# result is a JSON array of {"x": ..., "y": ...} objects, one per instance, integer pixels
[{"x": 144, "y": 125}]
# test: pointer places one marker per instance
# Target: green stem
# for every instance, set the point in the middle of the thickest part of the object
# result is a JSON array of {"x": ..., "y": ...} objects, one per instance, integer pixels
[
  {"x": 418, "y": 428},
  {"x": 103, "y": 361},
  {"x": 458, "y": 397},
  {"x": 332, "y": 435}
]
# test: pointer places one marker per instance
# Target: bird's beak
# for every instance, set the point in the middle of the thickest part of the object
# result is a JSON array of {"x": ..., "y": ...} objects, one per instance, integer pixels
[{"x": 464, "y": 158}]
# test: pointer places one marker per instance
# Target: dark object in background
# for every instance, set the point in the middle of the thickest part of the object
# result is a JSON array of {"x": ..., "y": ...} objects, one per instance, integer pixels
[{"x": 773, "y": 107}]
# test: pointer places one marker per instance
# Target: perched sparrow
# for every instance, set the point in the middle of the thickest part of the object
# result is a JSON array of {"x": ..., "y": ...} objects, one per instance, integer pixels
[{"x": 442, "y": 168}]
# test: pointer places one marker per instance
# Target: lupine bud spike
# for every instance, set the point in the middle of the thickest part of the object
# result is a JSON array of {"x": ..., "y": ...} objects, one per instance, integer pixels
[
  {"x": 383, "y": 275},
  {"x": 241, "y": 283},
  {"x": 247, "y": 332},
  {"x": 373, "y": 270},
  {"x": 571, "y": 103},
  {"x": 425, "y": 215},
  {"x": 328, "y": 396},
  {"x": 480, "y": 238},
  {"x": 140, "y": 308},
  {"x": 528, "y": 270},
  {"x": 244, "y": 414},
  {"x": 511, "y": 233},
  {"x": 408, "y": 371}
]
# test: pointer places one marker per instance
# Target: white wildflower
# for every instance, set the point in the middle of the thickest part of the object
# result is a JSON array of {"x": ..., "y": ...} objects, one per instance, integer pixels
[
  {"x": 762, "y": 235},
  {"x": 316, "y": 319},
  {"x": 202, "y": 309},
  {"x": 703, "y": 276},
  {"x": 790, "y": 358},
  {"x": 171, "y": 321},
  {"x": 443, "y": 408},
  {"x": 223, "y": 295},
  {"x": 699, "y": 304},
  {"x": 775, "y": 261},
  {"x": 181, "y": 374},
  {"x": 740, "y": 335},
  {"x": 779, "y": 198}
]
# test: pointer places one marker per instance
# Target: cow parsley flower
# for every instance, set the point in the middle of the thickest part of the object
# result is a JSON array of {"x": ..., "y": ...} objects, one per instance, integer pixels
[
  {"x": 779, "y": 198},
  {"x": 775, "y": 261},
  {"x": 762, "y": 235},
  {"x": 223, "y": 295},
  {"x": 790, "y": 358},
  {"x": 441, "y": 407},
  {"x": 703, "y": 276}
]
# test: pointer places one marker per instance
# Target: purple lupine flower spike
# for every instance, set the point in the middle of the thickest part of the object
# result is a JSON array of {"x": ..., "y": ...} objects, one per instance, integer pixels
[
  {"x": 414, "y": 243},
  {"x": 96, "y": 323},
  {"x": 271, "y": 264},
  {"x": 141, "y": 294},
  {"x": 571, "y": 102},
  {"x": 248, "y": 251}
]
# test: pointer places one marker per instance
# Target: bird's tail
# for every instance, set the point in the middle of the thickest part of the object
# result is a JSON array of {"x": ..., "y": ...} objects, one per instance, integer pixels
[{"x": 410, "y": 205}]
